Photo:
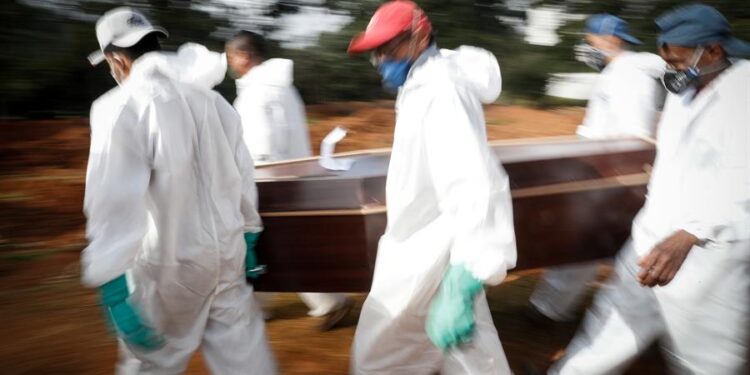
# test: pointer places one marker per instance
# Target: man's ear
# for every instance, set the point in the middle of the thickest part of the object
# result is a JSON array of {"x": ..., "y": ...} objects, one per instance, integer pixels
[
  {"x": 423, "y": 38},
  {"x": 715, "y": 52},
  {"x": 120, "y": 61},
  {"x": 614, "y": 43}
]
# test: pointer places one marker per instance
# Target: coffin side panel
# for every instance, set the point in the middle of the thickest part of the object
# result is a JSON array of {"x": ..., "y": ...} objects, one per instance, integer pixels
[
  {"x": 314, "y": 253},
  {"x": 575, "y": 227}
]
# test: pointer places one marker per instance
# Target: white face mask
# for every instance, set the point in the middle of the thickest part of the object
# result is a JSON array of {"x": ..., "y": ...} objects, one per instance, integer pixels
[
  {"x": 593, "y": 57},
  {"x": 678, "y": 81}
]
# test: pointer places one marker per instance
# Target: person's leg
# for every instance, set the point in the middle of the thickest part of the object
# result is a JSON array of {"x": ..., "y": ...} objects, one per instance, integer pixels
[
  {"x": 390, "y": 337},
  {"x": 264, "y": 301},
  {"x": 169, "y": 360},
  {"x": 173, "y": 308},
  {"x": 322, "y": 303},
  {"x": 389, "y": 342},
  {"x": 623, "y": 321},
  {"x": 127, "y": 363},
  {"x": 331, "y": 307},
  {"x": 707, "y": 312},
  {"x": 562, "y": 289},
  {"x": 234, "y": 341},
  {"x": 484, "y": 354}
]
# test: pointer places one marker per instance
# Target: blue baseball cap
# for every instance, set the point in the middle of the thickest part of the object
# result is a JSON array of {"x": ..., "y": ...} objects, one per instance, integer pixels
[
  {"x": 607, "y": 24},
  {"x": 699, "y": 24}
]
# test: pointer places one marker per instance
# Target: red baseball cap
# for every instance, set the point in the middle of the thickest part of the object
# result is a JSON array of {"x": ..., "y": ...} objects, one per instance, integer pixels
[{"x": 389, "y": 21}]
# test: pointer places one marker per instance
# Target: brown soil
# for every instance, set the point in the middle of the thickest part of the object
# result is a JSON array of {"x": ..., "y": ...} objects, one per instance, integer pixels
[{"x": 51, "y": 324}]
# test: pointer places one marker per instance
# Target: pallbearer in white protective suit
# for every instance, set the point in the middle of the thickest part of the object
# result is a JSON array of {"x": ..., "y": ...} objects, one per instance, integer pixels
[
  {"x": 684, "y": 277},
  {"x": 275, "y": 129},
  {"x": 272, "y": 111},
  {"x": 625, "y": 103},
  {"x": 450, "y": 220},
  {"x": 169, "y": 194},
  {"x": 273, "y": 120}
]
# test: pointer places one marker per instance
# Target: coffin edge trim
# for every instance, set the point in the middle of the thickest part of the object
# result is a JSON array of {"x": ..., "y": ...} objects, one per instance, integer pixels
[
  {"x": 630, "y": 180},
  {"x": 498, "y": 142},
  {"x": 364, "y": 211}
]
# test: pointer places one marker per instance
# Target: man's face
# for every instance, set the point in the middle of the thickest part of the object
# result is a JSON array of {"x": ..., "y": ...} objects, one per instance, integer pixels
[
  {"x": 682, "y": 58},
  {"x": 408, "y": 45},
  {"x": 397, "y": 48},
  {"x": 239, "y": 61}
]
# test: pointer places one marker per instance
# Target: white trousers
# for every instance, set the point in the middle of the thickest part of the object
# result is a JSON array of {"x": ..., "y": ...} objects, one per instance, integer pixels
[
  {"x": 226, "y": 325},
  {"x": 319, "y": 304},
  {"x": 562, "y": 289},
  {"x": 391, "y": 339},
  {"x": 399, "y": 345},
  {"x": 700, "y": 318}
]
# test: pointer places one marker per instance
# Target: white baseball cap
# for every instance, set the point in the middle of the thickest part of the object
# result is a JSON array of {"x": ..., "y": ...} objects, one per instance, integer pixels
[{"x": 121, "y": 27}]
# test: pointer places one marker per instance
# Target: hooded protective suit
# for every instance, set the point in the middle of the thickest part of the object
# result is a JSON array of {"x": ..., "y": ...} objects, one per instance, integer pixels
[
  {"x": 274, "y": 126},
  {"x": 169, "y": 193},
  {"x": 273, "y": 118},
  {"x": 701, "y": 184},
  {"x": 192, "y": 64},
  {"x": 625, "y": 103},
  {"x": 448, "y": 203},
  {"x": 626, "y": 99},
  {"x": 273, "y": 115}
]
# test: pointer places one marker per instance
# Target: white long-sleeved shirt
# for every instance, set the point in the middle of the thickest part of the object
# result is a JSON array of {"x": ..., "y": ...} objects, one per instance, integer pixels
[{"x": 700, "y": 182}]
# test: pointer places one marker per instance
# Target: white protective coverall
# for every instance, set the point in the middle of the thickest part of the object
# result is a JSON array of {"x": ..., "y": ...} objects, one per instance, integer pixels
[
  {"x": 701, "y": 184},
  {"x": 625, "y": 103},
  {"x": 448, "y": 203},
  {"x": 275, "y": 129},
  {"x": 273, "y": 117},
  {"x": 626, "y": 99},
  {"x": 273, "y": 114},
  {"x": 169, "y": 193}
]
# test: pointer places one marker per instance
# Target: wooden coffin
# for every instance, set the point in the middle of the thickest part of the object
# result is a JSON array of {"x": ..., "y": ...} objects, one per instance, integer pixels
[{"x": 573, "y": 200}]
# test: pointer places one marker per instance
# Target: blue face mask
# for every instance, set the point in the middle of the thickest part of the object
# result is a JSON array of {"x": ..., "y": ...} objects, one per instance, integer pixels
[{"x": 394, "y": 72}]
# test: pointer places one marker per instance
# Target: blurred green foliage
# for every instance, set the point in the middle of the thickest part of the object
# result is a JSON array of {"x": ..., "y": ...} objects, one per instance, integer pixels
[{"x": 44, "y": 72}]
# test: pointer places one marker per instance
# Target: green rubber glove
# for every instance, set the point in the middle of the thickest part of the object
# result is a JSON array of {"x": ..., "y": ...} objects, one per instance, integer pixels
[
  {"x": 124, "y": 317},
  {"x": 450, "y": 320},
  {"x": 252, "y": 269}
]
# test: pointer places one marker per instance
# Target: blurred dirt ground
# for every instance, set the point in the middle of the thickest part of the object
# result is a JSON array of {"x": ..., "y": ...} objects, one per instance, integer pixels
[{"x": 52, "y": 325}]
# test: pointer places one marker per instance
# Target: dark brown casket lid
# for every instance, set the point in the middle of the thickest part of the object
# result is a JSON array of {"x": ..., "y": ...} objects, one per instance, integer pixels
[
  {"x": 306, "y": 186},
  {"x": 573, "y": 201}
]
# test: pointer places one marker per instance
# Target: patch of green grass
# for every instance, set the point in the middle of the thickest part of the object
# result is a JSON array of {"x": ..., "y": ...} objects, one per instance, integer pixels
[
  {"x": 312, "y": 120},
  {"x": 24, "y": 252},
  {"x": 551, "y": 102},
  {"x": 25, "y": 256},
  {"x": 14, "y": 196},
  {"x": 542, "y": 102},
  {"x": 72, "y": 176},
  {"x": 498, "y": 122}
]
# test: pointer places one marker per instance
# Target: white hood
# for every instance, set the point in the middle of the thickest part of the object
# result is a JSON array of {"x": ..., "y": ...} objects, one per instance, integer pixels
[
  {"x": 649, "y": 63},
  {"x": 272, "y": 72},
  {"x": 480, "y": 70},
  {"x": 474, "y": 67},
  {"x": 193, "y": 64}
]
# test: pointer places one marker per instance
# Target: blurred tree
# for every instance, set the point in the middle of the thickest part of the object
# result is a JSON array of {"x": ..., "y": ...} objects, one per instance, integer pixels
[
  {"x": 44, "y": 68},
  {"x": 45, "y": 43}
]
